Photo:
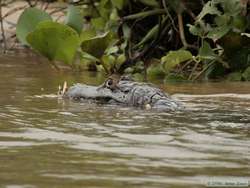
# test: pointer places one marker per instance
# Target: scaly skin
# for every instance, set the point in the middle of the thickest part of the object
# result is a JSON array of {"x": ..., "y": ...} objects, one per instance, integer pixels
[{"x": 125, "y": 92}]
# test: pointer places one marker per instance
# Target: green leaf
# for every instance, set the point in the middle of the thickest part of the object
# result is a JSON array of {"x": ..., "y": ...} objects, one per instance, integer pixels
[
  {"x": 196, "y": 30},
  {"x": 118, "y": 3},
  {"x": 114, "y": 15},
  {"x": 120, "y": 60},
  {"x": 111, "y": 50},
  {"x": 126, "y": 31},
  {"x": 155, "y": 71},
  {"x": 108, "y": 62},
  {"x": 206, "y": 52},
  {"x": 89, "y": 57},
  {"x": 87, "y": 34},
  {"x": 28, "y": 21},
  {"x": 98, "y": 23},
  {"x": 74, "y": 18},
  {"x": 209, "y": 8},
  {"x": 97, "y": 45},
  {"x": 234, "y": 76},
  {"x": 232, "y": 7},
  {"x": 55, "y": 41},
  {"x": 218, "y": 32},
  {"x": 174, "y": 58},
  {"x": 246, "y": 74}
]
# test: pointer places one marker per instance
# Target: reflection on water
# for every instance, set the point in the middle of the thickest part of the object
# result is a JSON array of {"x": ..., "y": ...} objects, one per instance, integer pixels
[{"x": 46, "y": 142}]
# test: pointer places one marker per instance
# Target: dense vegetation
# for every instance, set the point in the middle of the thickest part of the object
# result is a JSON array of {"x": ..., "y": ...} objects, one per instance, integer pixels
[{"x": 167, "y": 39}]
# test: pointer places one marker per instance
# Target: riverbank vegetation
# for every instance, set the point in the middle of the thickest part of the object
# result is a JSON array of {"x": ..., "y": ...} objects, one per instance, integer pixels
[{"x": 173, "y": 40}]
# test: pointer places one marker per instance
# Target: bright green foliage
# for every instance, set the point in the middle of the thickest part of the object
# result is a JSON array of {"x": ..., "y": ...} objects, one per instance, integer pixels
[
  {"x": 223, "y": 20},
  {"x": 209, "y": 8},
  {"x": 124, "y": 36},
  {"x": 108, "y": 62},
  {"x": 234, "y": 76},
  {"x": 97, "y": 45},
  {"x": 74, "y": 18},
  {"x": 155, "y": 71},
  {"x": 55, "y": 41},
  {"x": 174, "y": 58},
  {"x": 206, "y": 52},
  {"x": 98, "y": 23},
  {"x": 28, "y": 21},
  {"x": 118, "y": 3},
  {"x": 86, "y": 56},
  {"x": 88, "y": 34},
  {"x": 246, "y": 74}
]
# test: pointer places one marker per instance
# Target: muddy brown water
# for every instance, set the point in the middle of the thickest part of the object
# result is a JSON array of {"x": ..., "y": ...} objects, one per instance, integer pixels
[{"x": 46, "y": 142}]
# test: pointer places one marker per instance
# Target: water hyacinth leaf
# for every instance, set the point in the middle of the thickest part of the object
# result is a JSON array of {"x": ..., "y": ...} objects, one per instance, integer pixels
[
  {"x": 74, "y": 18},
  {"x": 206, "y": 52},
  {"x": 232, "y": 7},
  {"x": 246, "y": 74},
  {"x": 97, "y": 45},
  {"x": 104, "y": 8},
  {"x": 120, "y": 60},
  {"x": 108, "y": 62},
  {"x": 55, "y": 41},
  {"x": 114, "y": 15},
  {"x": 118, "y": 3},
  {"x": 87, "y": 34},
  {"x": 111, "y": 50},
  {"x": 234, "y": 76},
  {"x": 126, "y": 31},
  {"x": 174, "y": 58},
  {"x": 155, "y": 71},
  {"x": 195, "y": 30},
  {"x": 209, "y": 8},
  {"x": 28, "y": 21},
  {"x": 218, "y": 32},
  {"x": 98, "y": 23},
  {"x": 89, "y": 57}
]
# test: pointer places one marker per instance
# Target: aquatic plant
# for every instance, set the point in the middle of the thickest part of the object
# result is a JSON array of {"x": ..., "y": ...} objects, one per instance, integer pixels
[{"x": 187, "y": 39}]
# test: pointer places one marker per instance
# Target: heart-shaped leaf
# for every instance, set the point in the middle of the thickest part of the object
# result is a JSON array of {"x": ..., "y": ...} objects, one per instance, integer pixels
[
  {"x": 174, "y": 58},
  {"x": 74, "y": 18},
  {"x": 55, "y": 41},
  {"x": 28, "y": 21}
]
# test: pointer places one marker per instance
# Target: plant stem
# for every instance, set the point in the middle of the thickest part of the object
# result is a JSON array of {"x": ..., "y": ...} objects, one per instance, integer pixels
[
  {"x": 201, "y": 72},
  {"x": 2, "y": 28},
  {"x": 182, "y": 33},
  {"x": 169, "y": 15},
  {"x": 181, "y": 30},
  {"x": 144, "y": 14}
]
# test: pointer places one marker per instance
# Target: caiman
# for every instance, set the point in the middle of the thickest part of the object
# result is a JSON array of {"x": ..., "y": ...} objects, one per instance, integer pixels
[{"x": 124, "y": 91}]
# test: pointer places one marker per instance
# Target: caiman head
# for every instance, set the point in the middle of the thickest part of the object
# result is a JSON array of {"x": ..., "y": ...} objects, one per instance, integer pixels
[{"x": 123, "y": 91}]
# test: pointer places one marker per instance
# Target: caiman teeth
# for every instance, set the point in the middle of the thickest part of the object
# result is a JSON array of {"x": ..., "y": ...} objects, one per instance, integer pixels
[{"x": 65, "y": 88}]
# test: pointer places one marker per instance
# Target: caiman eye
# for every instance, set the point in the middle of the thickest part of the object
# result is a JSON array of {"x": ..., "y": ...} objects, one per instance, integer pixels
[{"x": 109, "y": 83}]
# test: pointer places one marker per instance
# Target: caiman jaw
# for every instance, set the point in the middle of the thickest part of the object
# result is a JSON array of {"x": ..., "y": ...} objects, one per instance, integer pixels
[{"x": 82, "y": 91}]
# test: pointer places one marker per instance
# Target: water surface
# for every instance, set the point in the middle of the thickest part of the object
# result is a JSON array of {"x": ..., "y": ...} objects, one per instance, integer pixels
[{"x": 47, "y": 142}]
